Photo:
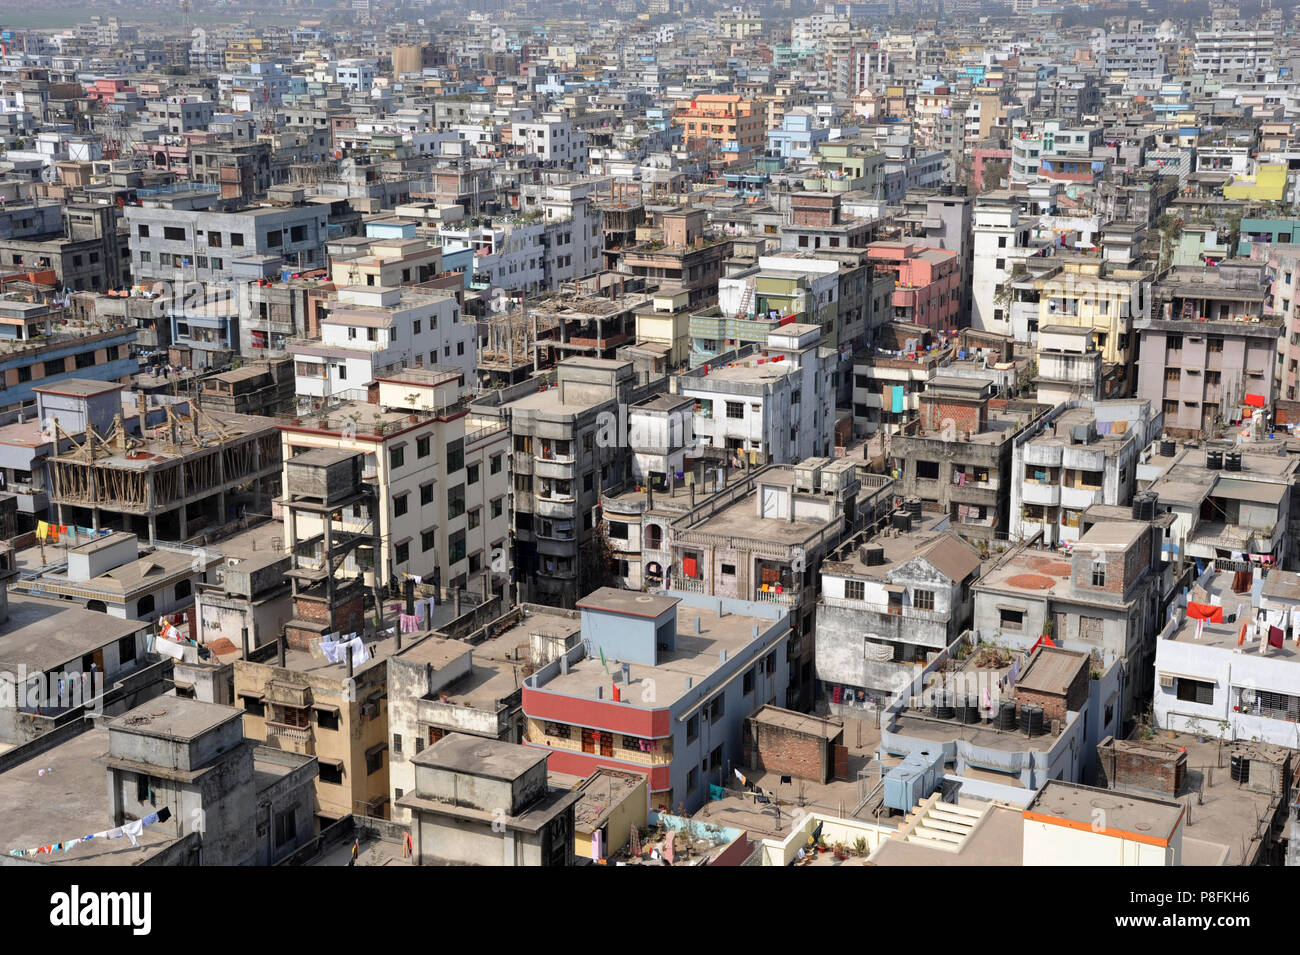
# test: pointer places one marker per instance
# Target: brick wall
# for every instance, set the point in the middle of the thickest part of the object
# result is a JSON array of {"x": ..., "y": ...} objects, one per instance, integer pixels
[
  {"x": 965, "y": 416},
  {"x": 788, "y": 752},
  {"x": 1153, "y": 767},
  {"x": 348, "y": 617}
]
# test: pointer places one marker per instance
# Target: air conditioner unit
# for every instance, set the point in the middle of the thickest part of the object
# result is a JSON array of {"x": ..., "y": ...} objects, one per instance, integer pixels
[{"x": 1167, "y": 680}]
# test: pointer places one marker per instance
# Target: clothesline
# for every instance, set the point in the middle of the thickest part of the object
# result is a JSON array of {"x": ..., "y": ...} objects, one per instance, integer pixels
[{"x": 131, "y": 830}]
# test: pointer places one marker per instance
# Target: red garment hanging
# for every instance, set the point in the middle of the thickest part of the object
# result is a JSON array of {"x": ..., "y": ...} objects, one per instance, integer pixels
[{"x": 1197, "y": 611}]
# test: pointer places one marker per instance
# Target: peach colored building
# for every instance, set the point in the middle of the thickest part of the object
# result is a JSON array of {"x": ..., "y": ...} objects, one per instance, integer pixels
[{"x": 716, "y": 119}]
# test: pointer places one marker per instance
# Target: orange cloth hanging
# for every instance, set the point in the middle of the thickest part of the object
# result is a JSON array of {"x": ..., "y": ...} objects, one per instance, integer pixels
[{"x": 1197, "y": 611}]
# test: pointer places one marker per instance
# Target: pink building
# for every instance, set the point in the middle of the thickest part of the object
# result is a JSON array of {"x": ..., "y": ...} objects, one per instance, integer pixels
[
  {"x": 927, "y": 282},
  {"x": 980, "y": 158}
]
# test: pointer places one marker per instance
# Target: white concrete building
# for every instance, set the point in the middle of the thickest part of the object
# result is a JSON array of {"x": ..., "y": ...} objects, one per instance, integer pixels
[
  {"x": 375, "y": 330},
  {"x": 774, "y": 405}
]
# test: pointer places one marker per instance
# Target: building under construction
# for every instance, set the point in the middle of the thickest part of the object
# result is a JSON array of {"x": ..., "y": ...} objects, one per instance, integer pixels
[
  {"x": 592, "y": 319},
  {"x": 196, "y": 471}
]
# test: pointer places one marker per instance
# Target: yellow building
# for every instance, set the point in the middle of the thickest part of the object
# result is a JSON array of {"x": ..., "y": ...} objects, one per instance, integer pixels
[
  {"x": 1269, "y": 185},
  {"x": 302, "y": 703},
  {"x": 613, "y": 801},
  {"x": 668, "y": 323},
  {"x": 1088, "y": 293}
]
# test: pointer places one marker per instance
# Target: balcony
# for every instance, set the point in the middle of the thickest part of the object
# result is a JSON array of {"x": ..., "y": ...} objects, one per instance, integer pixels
[
  {"x": 1034, "y": 492},
  {"x": 294, "y": 739},
  {"x": 561, "y": 468},
  {"x": 1078, "y": 498},
  {"x": 561, "y": 507}
]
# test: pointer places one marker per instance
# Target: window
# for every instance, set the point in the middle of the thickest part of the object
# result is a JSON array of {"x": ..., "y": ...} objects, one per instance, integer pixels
[
  {"x": 715, "y": 709},
  {"x": 471, "y": 474},
  {"x": 125, "y": 650},
  {"x": 927, "y": 470},
  {"x": 400, "y": 504},
  {"x": 143, "y": 233},
  {"x": 426, "y": 494},
  {"x": 236, "y": 238},
  {"x": 396, "y": 457},
  {"x": 374, "y": 759},
  {"x": 456, "y": 547},
  {"x": 494, "y": 464},
  {"x": 1099, "y": 573},
  {"x": 331, "y": 773},
  {"x": 1173, "y": 375},
  {"x": 693, "y": 729},
  {"x": 403, "y": 553},
  {"x": 397, "y": 745},
  {"x": 184, "y": 589},
  {"x": 855, "y": 590},
  {"x": 497, "y": 507},
  {"x": 286, "y": 828},
  {"x": 735, "y": 409},
  {"x": 173, "y": 233},
  {"x": 618, "y": 530},
  {"x": 456, "y": 501},
  {"x": 428, "y": 539},
  {"x": 729, "y": 570},
  {"x": 253, "y": 705},
  {"x": 1195, "y": 691},
  {"x": 327, "y": 719},
  {"x": 422, "y": 447},
  {"x": 455, "y": 455},
  {"x": 692, "y": 780},
  {"x": 747, "y": 683},
  {"x": 1013, "y": 620},
  {"x": 1214, "y": 345},
  {"x": 923, "y": 599}
]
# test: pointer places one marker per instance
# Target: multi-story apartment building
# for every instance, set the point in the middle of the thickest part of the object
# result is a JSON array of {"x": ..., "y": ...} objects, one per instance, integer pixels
[
  {"x": 770, "y": 405},
  {"x": 199, "y": 245},
  {"x": 687, "y": 670},
  {"x": 569, "y": 447},
  {"x": 376, "y": 331},
  {"x": 1208, "y": 353},
  {"x": 440, "y": 477},
  {"x": 1080, "y": 454},
  {"x": 716, "y": 120}
]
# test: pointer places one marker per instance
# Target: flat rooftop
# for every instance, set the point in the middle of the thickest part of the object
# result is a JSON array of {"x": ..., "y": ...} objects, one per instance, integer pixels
[
  {"x": 68, "y": 802},
  {"x": 947, "y": 550},
  {"x": 44, "y": 634},
  {"x": 476, "y": 756},
  {"x": 175, "y": 717},
  {"x": 602, "y": 791},
  {"x": 1125, "y": 813},
  {"x": 741, "y": 519},
  {"x": 697, "y": 657}
]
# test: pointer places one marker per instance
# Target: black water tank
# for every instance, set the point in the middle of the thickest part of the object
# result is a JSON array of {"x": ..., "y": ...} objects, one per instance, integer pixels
[
  {"x": 1232, "y": 461},
  {"x": 1031, "y": 718},
  {"x": 1007, "y": 715},
  {"x": 1168, "y": 448},
  {"x": 1239, "y": 769},
  {"x": 1144, "y": 507},
  {"x": 1214, "y": 460},
  {"x": 942, "y": 707},
  {"x": 968, "y": 710},
  {"x": 902, "y": 520},
  {"x": 913, "y": 507}
]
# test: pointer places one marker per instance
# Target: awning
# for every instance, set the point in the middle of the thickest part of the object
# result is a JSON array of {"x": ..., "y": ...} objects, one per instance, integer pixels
[
  {"x": 1189, "y": 676},
  {"x": 895, "y": 589},
  {"x": 251, "y": 696},
  {"x": 325, "y": 708},
  {"x": 376, "y": 749},
  {"x": 336, "y": 763}
]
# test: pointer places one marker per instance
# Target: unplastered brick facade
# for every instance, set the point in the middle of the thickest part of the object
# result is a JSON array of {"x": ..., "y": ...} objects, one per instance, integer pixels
[
  {"x": 1154, "y": 767},
  {"x": 788, "y": 751}
]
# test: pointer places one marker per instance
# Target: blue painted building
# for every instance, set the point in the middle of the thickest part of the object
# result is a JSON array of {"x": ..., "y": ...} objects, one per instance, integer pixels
[
  {"x": 37, "y": 349},
  {"x": 660, "y": 684}
]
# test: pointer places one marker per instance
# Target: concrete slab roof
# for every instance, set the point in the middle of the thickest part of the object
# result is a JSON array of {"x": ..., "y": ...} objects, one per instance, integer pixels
[{"x": 476, "y": 756}]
